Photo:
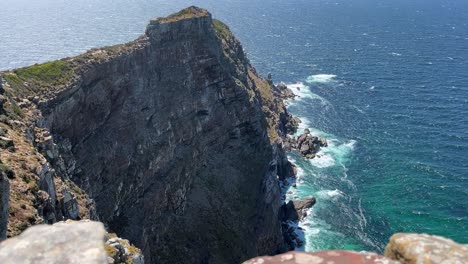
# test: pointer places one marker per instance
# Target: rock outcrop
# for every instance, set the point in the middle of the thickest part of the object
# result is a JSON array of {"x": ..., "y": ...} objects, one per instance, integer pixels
[
  {"x": 323, "y": 257},
  {"x": 402, "y": 248},
  {"x": 69, "y": 242},
  {"x": 297, "y": 210},
  {"x": 291, "y": 213},
  {"x": 422, "y": 248},
  {"x": 121, "y": 251},
  {"x": 306, "y": 144},
  {"x": 173, "y": 138}
]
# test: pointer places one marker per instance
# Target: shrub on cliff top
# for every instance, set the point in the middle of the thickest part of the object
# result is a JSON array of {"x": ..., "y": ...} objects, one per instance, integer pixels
[
  {"x": 53, "y": 73},
  {"x": 39, "y": 77}
]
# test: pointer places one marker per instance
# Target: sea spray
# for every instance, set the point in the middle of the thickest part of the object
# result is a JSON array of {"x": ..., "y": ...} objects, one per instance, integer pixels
[{"x": 322, "y": 177}]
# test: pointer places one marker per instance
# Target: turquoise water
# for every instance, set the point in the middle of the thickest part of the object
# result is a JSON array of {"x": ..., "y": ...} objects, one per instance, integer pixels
[{"x": 385, "y": 81}]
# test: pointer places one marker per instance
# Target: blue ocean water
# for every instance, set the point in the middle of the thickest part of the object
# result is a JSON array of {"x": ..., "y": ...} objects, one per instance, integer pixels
[{"x": 385, "y": 81}]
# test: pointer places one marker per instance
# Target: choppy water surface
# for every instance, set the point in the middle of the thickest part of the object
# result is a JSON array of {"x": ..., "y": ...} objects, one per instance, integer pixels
[{"x": 385, "y": 81}]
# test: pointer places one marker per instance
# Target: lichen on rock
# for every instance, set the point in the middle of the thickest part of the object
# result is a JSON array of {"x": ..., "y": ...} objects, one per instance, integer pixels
[{"x": 427, "y": 249}]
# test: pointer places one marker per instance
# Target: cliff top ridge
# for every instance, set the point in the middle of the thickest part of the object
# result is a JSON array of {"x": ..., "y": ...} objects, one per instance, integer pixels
[{"x": 187, "y": 13}]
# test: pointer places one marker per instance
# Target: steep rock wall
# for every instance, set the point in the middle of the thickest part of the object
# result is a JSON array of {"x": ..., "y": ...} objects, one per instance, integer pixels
[{"x": 174, "y": 136}]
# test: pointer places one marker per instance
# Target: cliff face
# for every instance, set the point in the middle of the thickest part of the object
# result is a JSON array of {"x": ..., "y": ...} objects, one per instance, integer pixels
[{"x": 173, "y": 137}]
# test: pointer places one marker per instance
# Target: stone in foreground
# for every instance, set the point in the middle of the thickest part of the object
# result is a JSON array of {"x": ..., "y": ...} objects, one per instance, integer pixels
[
  {"x": 64, "y": 242},
  {"x": 323, "y": 257},
  {"x": 422, "y": 248}
]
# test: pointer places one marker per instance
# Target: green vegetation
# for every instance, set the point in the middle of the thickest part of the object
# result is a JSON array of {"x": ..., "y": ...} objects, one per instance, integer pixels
[
  {"x": 54, "y": 72},
  {"x": 16, "y": 109},
  {"x": 29, "y": 80},
  {"x": 189, "y": 12},
  {"x": 222, "y": 29}
]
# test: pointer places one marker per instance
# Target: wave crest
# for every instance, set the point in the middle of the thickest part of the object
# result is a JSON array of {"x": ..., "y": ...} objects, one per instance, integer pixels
[{"x": 321, "y": 78}]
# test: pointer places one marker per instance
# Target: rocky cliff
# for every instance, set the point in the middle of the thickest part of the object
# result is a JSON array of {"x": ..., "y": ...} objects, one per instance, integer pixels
[{"x": 172, "y": 140}]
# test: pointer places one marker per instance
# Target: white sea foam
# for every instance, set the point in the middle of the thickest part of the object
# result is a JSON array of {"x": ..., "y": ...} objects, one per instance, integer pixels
[
  {"x": 335, "y": 153},
  {"x": 335, "y": 193},
  {"x": 358, "y": 109},
  {"x": 323, "y": 161},
  {"x": 321, "y": 78},
  {"x": 330, "y": 194},
  {"x": 395, "y": 54},
  {"x": 303, "y": 91}
]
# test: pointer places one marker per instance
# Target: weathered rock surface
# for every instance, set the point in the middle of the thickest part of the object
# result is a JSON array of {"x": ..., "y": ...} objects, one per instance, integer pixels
[
  {"x": 402, "y": 248},
  {"x": 121, "y": 251},
  {"x": 323, "y": 257},
  {"x": 67, "y": 243},
  {"x": 174, "y": 136},
  {"x": 422, "y": 248}
]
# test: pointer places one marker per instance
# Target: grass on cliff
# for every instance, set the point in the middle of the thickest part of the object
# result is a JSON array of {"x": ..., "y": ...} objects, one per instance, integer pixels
[
  {"x": 54, "y": 72},
  {"x": 189, "y": 12},
  {"x": 23, "y": 81},
  {"x": 221, "y": 29}
]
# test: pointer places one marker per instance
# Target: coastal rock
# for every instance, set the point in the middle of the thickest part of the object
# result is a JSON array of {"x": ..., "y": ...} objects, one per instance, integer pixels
[
  {"x": 322, "y": 257},
  {"x": 282, "y": 91},
  {"x": 63, "y": 242},
  {"x": 422, "y": 248},
  {"x": 306, "y": 144},
  {"x": 297, "y": 210},
  {"x": 175, "y": 137}
]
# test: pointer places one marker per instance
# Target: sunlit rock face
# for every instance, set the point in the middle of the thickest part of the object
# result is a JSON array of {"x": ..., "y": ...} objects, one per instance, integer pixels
[
  {"x": 323, "y": 257},
  {"x": 175, "y": 138},
  {"x": 422, "y": 248}
]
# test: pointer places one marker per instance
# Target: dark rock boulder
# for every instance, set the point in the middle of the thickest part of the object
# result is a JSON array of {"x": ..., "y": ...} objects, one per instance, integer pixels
[
  {"x": 4, "y": 201},
  {"x": 297, "y": 210},
  {"x": 306, "y": 144}
]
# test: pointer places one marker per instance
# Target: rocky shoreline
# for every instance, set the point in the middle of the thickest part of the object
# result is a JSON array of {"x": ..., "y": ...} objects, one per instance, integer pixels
[
  {"x": 307, "y": 146},
  {"x": 172, "y": 141}
]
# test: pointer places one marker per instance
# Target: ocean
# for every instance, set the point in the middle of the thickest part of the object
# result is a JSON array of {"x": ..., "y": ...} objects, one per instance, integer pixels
[{"x": 386, "y": 82}]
